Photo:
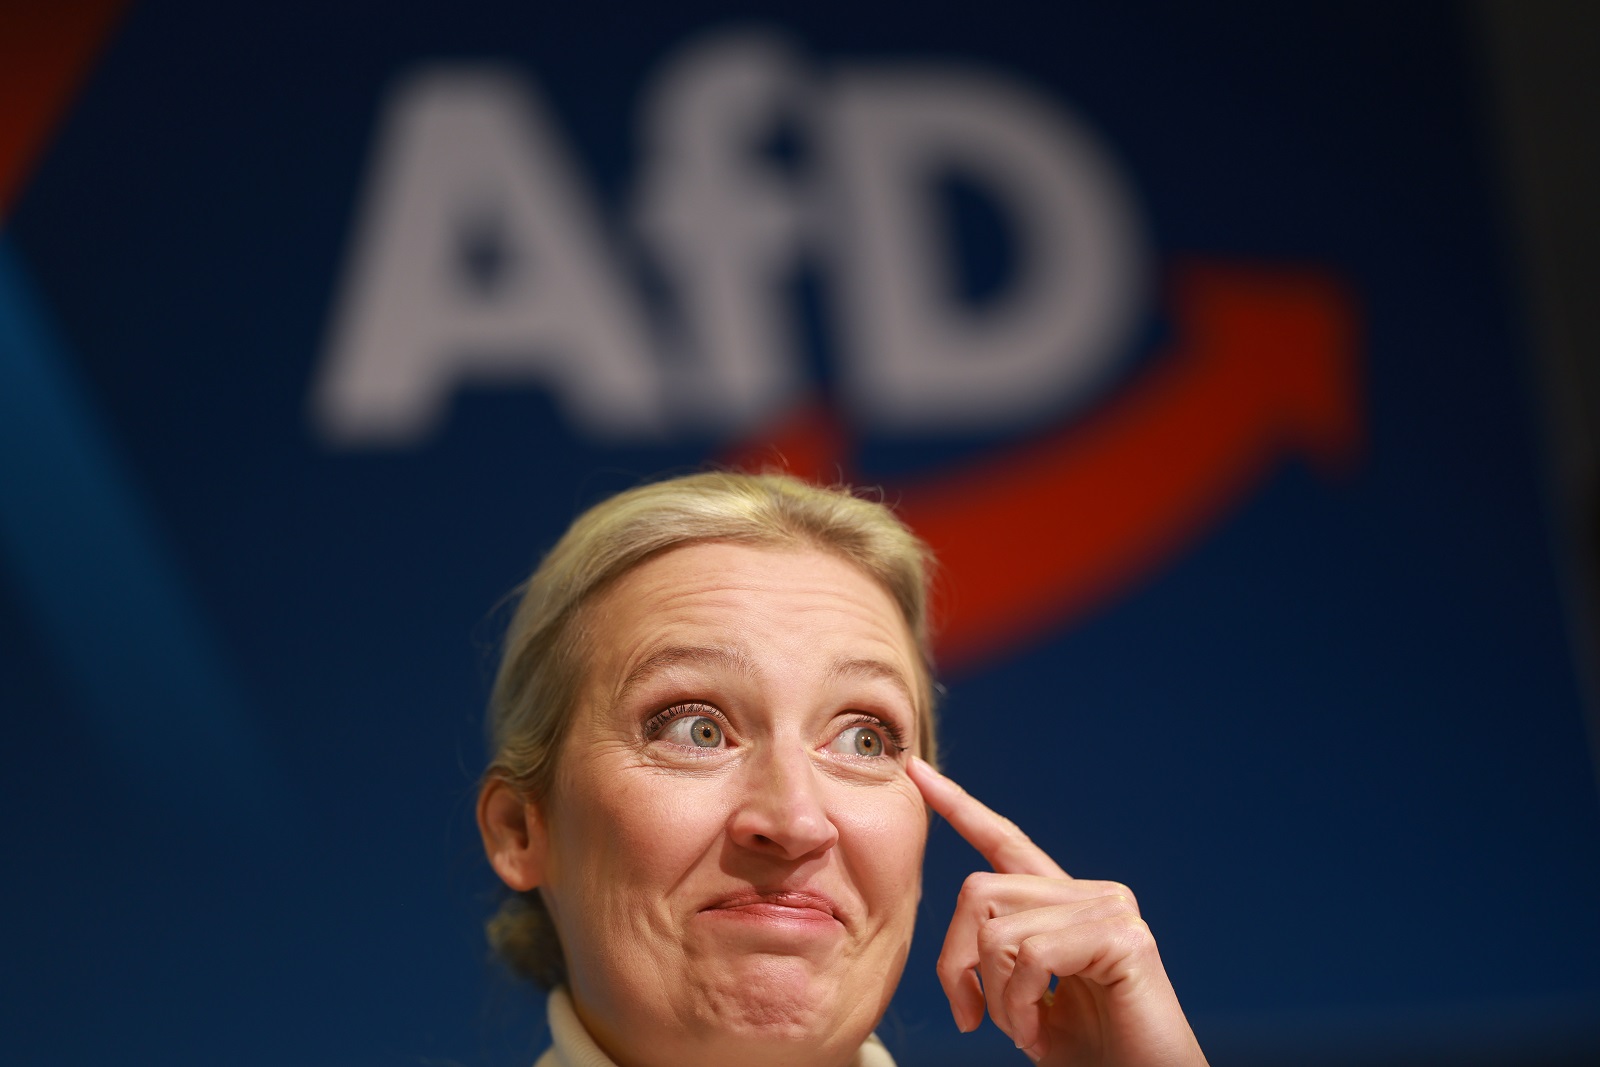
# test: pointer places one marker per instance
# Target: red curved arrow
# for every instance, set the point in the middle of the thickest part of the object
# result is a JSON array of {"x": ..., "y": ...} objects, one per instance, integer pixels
[
  {"x": 45, "y": 51},
  {"x": 1034, "y": 536}
]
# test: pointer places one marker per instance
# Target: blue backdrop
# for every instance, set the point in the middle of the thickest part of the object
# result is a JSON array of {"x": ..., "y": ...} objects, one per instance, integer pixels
[{"x": 1297, "y": 670}]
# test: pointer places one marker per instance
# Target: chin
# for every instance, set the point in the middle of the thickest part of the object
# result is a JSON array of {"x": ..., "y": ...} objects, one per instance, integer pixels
[{"x": 785, "y": 1000}]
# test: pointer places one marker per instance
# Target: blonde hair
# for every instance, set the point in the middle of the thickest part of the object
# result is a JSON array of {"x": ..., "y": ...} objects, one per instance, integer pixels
[{"x": 540, "y": 669}]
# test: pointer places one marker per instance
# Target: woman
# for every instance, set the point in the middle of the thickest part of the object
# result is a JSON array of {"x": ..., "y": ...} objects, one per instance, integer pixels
[{"x": 712, "y": 733}]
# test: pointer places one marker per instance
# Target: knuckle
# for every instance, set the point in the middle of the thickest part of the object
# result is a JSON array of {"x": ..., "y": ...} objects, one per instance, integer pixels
[
  {"x": 1121, "y": 895},
  {"x": 1030, "y": 956},
  {"x": 991, "y": 936},
  {"x": 1122, "y": 891},
  {"x": 976, "y": 887},
  {"x": 1135, "y": 934}
]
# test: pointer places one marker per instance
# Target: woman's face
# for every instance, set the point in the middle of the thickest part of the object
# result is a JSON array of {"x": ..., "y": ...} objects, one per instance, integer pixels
[{"x": 733, "y": 849}]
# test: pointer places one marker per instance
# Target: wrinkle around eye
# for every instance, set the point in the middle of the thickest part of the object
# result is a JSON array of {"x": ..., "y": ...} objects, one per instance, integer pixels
[
  {"x": 863, "y": 771},
  {"x": 852, "y": 769}
]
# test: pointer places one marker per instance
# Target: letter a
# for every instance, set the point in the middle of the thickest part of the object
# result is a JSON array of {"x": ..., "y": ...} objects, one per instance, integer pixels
[{"x": 479, "y": 259}]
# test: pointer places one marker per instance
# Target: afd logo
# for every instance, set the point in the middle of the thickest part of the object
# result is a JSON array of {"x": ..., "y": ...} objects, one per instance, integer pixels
[{"x": 481, "y": 258}]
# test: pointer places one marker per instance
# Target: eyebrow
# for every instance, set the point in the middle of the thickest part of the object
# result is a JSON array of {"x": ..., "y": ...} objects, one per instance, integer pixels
[
  {"x": 732, "y": 658},
  {"x": 725, "y": 657},
  {"x": 848, "y": 667}
]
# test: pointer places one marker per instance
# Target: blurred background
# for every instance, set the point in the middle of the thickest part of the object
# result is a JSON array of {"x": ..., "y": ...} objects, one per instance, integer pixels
[{"x": 1238, "y": 358}]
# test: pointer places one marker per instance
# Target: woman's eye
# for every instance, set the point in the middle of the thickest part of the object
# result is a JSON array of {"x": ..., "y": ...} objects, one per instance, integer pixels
[
  {"x": 698, "y": 731},
  {"x": 860, "y": 741}
]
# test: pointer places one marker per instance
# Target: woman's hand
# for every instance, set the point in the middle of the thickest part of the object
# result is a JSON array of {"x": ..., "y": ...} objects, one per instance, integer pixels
[{"x": 1029, "y": 922}]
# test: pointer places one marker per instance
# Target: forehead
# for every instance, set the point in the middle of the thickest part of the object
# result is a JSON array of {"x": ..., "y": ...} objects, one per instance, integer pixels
[{"x": 796, "y": 607}]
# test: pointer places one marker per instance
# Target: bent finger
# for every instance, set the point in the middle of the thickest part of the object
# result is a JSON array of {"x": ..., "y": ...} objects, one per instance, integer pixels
[
  {"x": 985, "y": 903},
  {"x": 986, "y": 898},
  {"x": 1109, "y": 951},
  {"x": 1005, "y": 944},
  {"x": 959, "y": 979}
]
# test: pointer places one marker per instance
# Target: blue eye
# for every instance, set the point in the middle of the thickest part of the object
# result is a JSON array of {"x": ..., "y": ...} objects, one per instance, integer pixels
[
  {"x": 699, "y": 731},
  {"x": 860, "y": 741}
]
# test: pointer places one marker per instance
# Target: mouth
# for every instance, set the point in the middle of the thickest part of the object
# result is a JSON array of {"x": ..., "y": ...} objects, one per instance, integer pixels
[{"x": 777, "y": 905}]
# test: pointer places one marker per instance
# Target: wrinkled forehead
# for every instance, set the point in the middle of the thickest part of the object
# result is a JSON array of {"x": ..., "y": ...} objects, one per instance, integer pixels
[{"x": 713, "y": 596}]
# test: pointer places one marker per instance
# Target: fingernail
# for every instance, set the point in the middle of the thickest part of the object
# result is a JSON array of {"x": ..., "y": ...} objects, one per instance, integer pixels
[{"x": 1028, "y": 1052}]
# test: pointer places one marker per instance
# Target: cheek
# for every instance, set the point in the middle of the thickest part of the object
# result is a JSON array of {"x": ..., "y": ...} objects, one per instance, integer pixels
[
  {"x": 884, "y": 830},
  {"x": 637, "y": 830}
]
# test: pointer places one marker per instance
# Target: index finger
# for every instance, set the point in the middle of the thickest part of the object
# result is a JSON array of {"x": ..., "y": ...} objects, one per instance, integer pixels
[{"x": 997, "y": 838}]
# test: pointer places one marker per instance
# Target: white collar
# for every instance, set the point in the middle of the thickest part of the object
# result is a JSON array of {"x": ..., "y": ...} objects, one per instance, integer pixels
[{"x": 571, "y": 1045}]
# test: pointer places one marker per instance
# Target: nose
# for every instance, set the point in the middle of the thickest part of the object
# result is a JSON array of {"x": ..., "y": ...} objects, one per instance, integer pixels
[{"x": 782, "y": 811}]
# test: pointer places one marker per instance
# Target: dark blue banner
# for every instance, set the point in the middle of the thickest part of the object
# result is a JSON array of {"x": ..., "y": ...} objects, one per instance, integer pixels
[{"x": 1187, "y": 337}]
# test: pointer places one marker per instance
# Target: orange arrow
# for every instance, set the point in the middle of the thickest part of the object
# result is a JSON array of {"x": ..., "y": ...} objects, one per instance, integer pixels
[
  {"x": 1034, "y": 536},
  {"x": 45, "y": 51}
]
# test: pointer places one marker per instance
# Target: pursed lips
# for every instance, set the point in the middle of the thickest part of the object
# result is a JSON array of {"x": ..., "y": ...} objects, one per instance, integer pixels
[{"x": 797, "y": 899}]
